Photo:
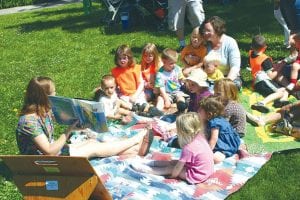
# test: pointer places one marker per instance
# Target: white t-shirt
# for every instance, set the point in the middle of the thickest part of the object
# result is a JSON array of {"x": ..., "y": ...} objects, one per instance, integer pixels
[{"x": 109, "y": 104}]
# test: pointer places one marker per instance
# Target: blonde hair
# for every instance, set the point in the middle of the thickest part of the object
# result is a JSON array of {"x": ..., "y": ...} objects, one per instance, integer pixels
[
  {"x": 169, "y": 54},
  {"x": 188, "y": 126},
  {"x": 214, "y": 58},
  {"x": 196, "y": 33},
  {"x": 150, "y": 48},
  {"x": 226, "y": 89},
  {"x": 105, "y": 78}
]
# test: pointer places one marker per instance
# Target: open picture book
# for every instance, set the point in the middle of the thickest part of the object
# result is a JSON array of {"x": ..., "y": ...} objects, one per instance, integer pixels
[{"x": 89, "y": 113}]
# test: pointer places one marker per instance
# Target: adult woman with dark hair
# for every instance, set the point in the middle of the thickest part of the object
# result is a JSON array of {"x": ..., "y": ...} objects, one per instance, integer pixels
[
  {"x": 35, "y": 130},
  {"x": 213, "y": 30}
]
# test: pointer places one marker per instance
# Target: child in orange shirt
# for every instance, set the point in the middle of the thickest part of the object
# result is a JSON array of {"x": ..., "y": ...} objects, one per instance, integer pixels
[
  {"x": 129, "y": 79},
  {"x": 150, "y": 64},
  {"x": 192, "y": 55}
]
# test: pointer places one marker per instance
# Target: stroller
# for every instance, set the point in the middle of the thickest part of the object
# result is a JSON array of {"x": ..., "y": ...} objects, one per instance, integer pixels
[{"x": 137, "y": 9}]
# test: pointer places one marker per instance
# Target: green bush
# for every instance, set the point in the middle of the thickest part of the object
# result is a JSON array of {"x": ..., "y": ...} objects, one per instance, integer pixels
[{"x": 14, "y": 3}]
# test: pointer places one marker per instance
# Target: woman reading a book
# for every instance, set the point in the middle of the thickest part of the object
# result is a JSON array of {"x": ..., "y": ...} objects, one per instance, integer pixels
[{"x": 35, "y": 130}]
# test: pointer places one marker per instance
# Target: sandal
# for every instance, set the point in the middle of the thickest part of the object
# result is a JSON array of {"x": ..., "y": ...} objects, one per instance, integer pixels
[
  {"x": 141, "y": 108},
  {"x": 147, "y": 141},
  {"x": 154, "y": 112},
  {"x": 260, "y": 107}
]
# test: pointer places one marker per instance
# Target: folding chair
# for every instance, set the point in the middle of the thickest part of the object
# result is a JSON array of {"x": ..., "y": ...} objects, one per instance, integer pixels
[{"x": 55, "y": 177}]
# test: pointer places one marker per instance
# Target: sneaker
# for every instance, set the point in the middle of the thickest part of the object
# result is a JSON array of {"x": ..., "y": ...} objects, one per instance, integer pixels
[
  {"x": 278, "y": 104},
  {"x": 284, "y": 127},
  {"x": 254, "y": 120},
  {"x": 290, "y": 87},
  {"x": 260, "y": 107},
  {"x": 134, "y": 108},
  {"x": 181, "y": 106},
  {"x": 141, "y": 108},
  {"x": 296, "y": 94},
  {"x": 154, "y": 112}
]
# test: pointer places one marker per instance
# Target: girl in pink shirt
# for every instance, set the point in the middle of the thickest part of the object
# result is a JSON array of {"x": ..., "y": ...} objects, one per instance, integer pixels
[{"x": 195, "y": 164}]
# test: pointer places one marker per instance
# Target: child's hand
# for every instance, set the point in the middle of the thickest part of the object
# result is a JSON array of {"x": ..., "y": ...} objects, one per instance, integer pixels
[
  {"x": 73, "y": 127},
  {"x": 132, "y": 99},
  {"x": 149, "y": 85},
  {"x": 167, "y": 103}
]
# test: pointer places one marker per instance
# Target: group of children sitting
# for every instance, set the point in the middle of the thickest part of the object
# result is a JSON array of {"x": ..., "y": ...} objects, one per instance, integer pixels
[
  {"x": 272, "y": 80},
  {"x": 207, "y": 103},
  {"x": 158, "y": 82}
]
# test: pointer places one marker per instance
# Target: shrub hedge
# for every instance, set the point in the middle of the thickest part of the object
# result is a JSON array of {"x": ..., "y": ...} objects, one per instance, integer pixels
[{"x": 14, "y": 3}]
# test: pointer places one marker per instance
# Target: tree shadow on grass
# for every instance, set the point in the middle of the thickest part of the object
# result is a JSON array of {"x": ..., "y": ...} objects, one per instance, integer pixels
[
  {"x": 75, "y": 21},
  {"x": 74, "y": 24}
]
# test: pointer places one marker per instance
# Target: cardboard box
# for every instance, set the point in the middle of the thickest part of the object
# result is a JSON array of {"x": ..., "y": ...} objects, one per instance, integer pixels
[{"x": 55, "y": 177}]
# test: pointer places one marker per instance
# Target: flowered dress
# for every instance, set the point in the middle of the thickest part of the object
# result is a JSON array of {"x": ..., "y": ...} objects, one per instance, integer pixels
[{"x": 29, "y": 127}]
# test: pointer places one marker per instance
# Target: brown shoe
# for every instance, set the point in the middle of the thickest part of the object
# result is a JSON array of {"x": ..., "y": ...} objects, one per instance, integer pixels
[{"x": 147, "y": 141}]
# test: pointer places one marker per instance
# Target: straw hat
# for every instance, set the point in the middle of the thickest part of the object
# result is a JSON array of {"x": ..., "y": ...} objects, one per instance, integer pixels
[{"x": 199, "y": 77}]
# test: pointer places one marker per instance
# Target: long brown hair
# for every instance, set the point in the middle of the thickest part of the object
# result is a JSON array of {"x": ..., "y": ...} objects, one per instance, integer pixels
[
  {"x": 36, "y": 96},
  {"x": 124, "y": 50},
  {"x": 213, "y": 106}
]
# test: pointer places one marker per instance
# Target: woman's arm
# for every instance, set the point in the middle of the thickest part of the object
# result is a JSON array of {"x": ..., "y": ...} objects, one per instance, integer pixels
[
  {"x": 213, "y": 138},
  {"x": 177, "y": 169},
  {"x": 234, "y": 59},
  {"x": 53, "y": 148}
]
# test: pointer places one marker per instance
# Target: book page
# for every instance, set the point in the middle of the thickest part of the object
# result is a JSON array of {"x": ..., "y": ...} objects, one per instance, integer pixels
[
  {"x": 63, "y": 110},
  {"x": 93, "y": 115}
]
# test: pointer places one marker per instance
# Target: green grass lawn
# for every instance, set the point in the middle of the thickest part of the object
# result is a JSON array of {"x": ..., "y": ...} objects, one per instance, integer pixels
[{"x": 75, "y": 50}]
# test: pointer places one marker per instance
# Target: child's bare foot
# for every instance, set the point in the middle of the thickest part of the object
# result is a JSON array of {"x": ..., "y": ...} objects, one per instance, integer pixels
[
  {"x": 255, "y": 120},
  {"x": 141, "y": 167},
  {"x": 126, "y": 119}
]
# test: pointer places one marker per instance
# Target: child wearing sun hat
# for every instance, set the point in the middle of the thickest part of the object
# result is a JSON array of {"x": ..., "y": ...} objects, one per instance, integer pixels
[{"x": 198, "y": 87}]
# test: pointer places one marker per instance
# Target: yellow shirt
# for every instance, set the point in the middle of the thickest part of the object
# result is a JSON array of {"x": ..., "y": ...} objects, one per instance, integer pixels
[{"x": 217, "y": 75}]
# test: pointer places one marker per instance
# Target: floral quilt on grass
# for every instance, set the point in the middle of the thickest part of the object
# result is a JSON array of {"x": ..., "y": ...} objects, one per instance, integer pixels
[{"x": 123, "y": 182}]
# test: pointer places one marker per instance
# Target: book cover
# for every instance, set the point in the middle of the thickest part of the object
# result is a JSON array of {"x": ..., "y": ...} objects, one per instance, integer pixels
[{"x": 89, "y": 113}]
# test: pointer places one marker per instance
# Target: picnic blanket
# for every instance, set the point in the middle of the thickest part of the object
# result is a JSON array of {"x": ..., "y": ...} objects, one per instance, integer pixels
[
  {"x": 123, "y": 182},
  {"x": 264, "y": 133}
]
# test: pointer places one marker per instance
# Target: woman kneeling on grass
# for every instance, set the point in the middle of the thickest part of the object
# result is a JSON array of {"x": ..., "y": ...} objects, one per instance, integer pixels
[{"x": 35, "y": 130}]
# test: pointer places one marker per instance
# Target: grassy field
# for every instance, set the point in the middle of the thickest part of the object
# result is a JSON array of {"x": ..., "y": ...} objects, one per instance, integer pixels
[{"x": 75, "y": 50}]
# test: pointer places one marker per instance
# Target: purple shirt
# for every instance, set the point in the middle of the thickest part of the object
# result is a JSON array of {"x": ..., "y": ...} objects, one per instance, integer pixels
[
  {"x": 198, "y": 159},
  {"x": 196, "y": 98}
]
